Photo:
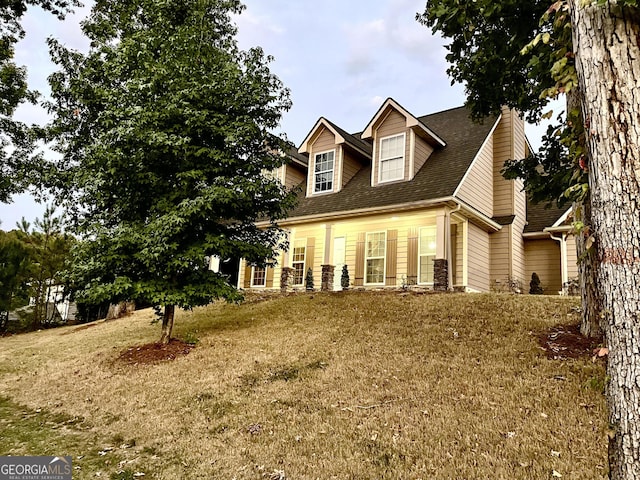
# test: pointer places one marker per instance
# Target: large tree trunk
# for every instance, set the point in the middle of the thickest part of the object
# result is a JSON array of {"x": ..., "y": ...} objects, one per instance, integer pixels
[
  {"x": 167, "y": 323},
  {"x": 587, "y": 271},
  {"x": 606, "y": 43},
  {"x": 587, "y": 259}
]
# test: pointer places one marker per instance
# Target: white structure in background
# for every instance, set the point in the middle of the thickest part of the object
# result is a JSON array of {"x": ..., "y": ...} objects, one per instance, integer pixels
[{"x": 55, "y": 298}]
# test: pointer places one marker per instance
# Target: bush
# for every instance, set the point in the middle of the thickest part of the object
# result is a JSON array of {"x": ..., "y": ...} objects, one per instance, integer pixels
[
  {"x": 344, "y": 279},
  {"x": 308, "y": 280},
  {"x": 534, "y": 285}
]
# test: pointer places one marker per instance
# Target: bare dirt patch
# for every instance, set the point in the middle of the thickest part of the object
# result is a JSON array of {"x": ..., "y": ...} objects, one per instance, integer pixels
[
  {"x": 565, "y": 341},
  {"x": 151, "y": 353}
]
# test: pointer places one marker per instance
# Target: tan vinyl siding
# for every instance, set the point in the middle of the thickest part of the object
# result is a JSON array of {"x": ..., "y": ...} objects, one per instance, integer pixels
[
  {"x": 393, "y": 124},
  {"x": 517, "y": 228},
  {"x": 479, "y": 257},
  {"x": 422, "y": 152},
  {"x": 572, "y": 257},
  {"x": 502, "y": 151},
  {"x": 293, "y": 176},
  {"x": 477, "y": 186},
  {"x": 350, "y": 167},
  {"x": 543, "y": 258},
  {"x": 324, "y": 141},
  {"x": 459, "y": 248},
  {"x": 500, "y": 255}
]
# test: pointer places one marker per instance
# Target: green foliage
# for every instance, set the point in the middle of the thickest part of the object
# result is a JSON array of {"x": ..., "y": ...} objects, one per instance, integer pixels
[
  {"x": 14, "y": 135},
  {"x": 344, "y": 278},
  {"x": 308, "y": 280},
  {"x": 14, "y": 266},
  {"x": 163, "y": 129},
  {"x": 520, "y": 54}
]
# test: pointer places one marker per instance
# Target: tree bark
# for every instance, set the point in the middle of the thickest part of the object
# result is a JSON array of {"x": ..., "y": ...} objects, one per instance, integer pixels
[
  {"x": 587, "y": 272},
  {"x": 587, "y": 259},
  {"x": 606, "y": 44},
  {"x": 167, "y": 323}
]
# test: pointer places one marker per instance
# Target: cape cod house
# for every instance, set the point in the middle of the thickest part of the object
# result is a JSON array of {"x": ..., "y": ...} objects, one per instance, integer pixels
[{"x": 416, "y": 200}]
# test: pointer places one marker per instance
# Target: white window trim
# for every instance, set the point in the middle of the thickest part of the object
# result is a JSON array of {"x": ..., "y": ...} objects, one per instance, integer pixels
[
  {"x": 304, "y": 264},
  {"x": 404, "y": 157},
  {"x": 419, "y": 255},
  {"x": 314, "y": 173},
  {"x": 253, "y": 285},
  {"x": 384, "y": 258}
]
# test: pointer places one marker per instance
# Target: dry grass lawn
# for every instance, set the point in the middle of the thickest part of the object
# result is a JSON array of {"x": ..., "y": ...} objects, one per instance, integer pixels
[{"x": 347, "y": 386}]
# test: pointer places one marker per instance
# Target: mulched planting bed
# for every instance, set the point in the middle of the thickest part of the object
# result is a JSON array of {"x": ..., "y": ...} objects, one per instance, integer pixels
[
  {"x": 155, "y": 352},
  {"x": 566, "y": 341}
]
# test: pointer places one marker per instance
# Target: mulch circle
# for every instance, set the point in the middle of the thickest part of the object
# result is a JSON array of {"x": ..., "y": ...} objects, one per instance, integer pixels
[
  {"x": 155, "y": 352},
  {"x": 565, "y": 341}
]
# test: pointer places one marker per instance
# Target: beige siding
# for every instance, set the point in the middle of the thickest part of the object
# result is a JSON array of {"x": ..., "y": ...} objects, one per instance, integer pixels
[
  {"x": 477, "y": 187},
  {"x": 572, "y": 257},
  {"x": 479, "y": 258},
  {"x": 323, "y": 142},
  {"x": 349, "y": 168},
  {"x": 517, "y": 229},
  {"x": 294, "y": 176},
  {"x": 393, "y": 124},
  {"x": 422, "y": 152},
  {"x": 500, "y": 256},
  {"x": 543, "y": 258},
  {"x": 502, "y": 151}
]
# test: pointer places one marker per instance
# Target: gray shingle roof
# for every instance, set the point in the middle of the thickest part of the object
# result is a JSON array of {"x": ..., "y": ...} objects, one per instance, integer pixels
[
  {"x": 438, "y": 178},
  {"x": 542, "y": 215}
]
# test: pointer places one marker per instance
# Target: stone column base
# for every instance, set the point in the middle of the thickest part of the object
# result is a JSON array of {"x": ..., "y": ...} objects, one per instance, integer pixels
[
  {"x": 285, "y": 278},
  {"x": 327, "y": 278},
  {"x": 440, "y": 275}
]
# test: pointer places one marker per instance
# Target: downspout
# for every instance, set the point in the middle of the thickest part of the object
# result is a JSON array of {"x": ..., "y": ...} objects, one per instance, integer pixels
[
  {"x": 563, "y": 259},
  {"x": 448, "y": 250}
]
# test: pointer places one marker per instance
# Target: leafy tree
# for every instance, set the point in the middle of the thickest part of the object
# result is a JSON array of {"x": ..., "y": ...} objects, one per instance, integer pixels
[
  {"x": 49, "y": 250},
  {"x": 606, "y": 46},
  {"x": 14, "y": 266},
  {"x": 520, "y": 54},
  {"x": 14, "y": 135},
  {"x": 163, "y": 129}
]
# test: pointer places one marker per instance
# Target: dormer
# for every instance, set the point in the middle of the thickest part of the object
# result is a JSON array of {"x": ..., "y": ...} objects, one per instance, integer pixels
[
  {"x": 291, "y": 173},
  {"x": 401, "y": 144},
  {"x": 335, "y": 156}
]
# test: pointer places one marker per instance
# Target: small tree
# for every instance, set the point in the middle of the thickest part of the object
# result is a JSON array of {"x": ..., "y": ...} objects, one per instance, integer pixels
[
  {"x": 344, "y": 279},
  {"x": 164, "y": 130},
  {"x": 308, "y": 280},
  {"x": 534, "y": 285}
]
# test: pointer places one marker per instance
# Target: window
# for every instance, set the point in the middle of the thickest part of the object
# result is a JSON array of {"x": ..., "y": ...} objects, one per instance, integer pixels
[
  {"x": 298, "y": 265},
  {"x": 258, "y": 277},
  {"x": 374, "y": 257},
  {"x": 426, "y": 254},
  {"x": 323, "y": 172},
  {"x": 392, "y": 158}
]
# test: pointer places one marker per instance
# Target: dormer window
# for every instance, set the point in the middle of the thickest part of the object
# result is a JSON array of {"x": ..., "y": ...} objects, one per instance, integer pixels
[
  {"x": 323, "y": 172},
  {"x": 392, "y": 151}
]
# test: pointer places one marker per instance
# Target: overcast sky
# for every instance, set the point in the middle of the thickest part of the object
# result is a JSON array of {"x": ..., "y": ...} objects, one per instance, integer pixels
[{"x": 340, "y": 59}]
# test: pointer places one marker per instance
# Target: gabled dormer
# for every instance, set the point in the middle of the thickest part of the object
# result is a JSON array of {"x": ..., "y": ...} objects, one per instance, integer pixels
[
  {"x": 401, "y": 144},
  {"x": 335, "y": 156}
]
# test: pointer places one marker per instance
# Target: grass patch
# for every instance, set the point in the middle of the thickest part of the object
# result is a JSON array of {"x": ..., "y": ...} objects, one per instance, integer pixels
[{"x": 356, "y": 385}]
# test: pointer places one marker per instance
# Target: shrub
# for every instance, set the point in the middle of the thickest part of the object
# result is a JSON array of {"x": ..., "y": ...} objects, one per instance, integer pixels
[
  {"x": 344, "y": 279},
  {"x": 308, "y": 280},
  {"x": 534, "y": 285}
]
